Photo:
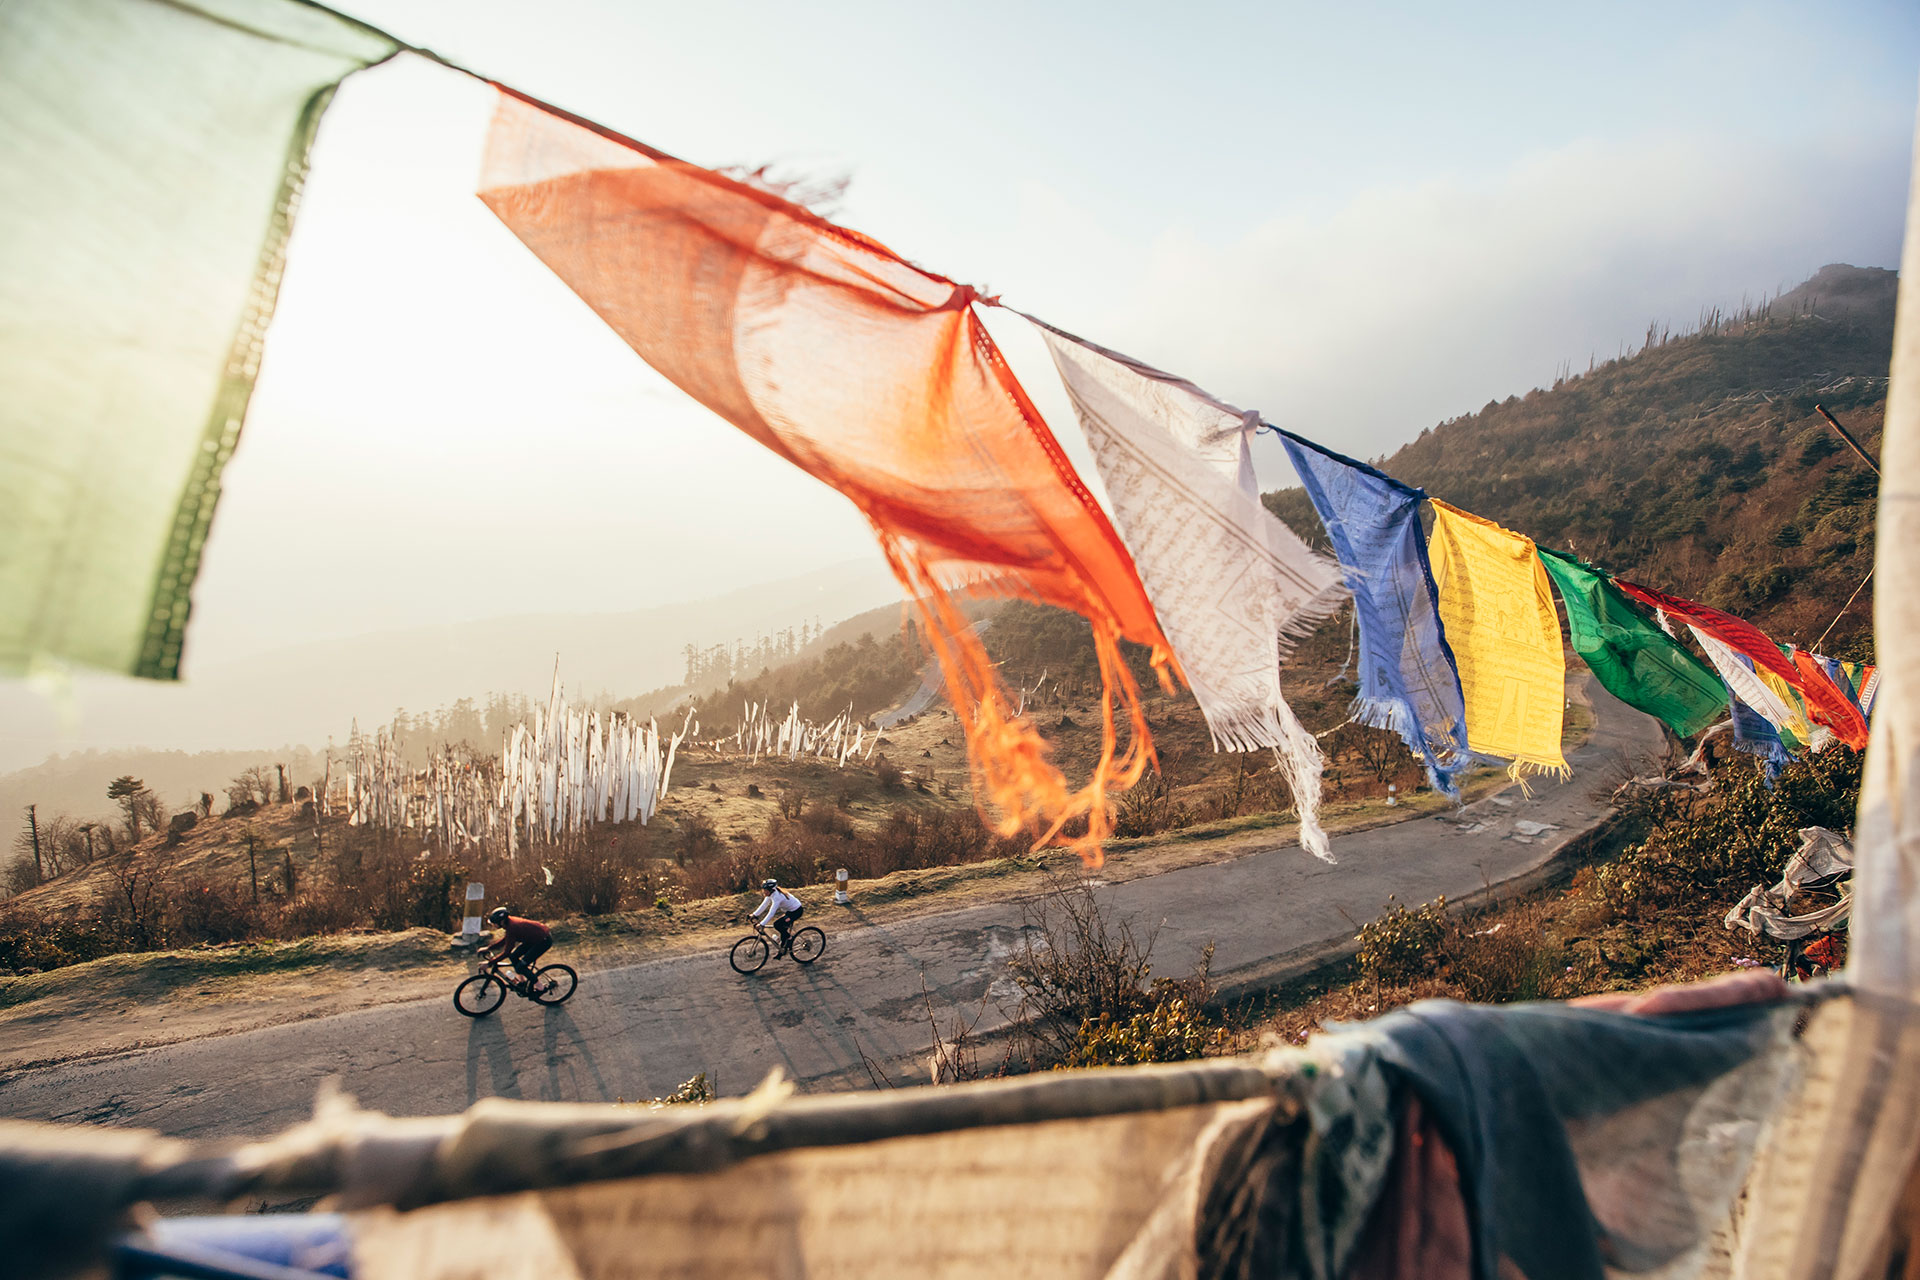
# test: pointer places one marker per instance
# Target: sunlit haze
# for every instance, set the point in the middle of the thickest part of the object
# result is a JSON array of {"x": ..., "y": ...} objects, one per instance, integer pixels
[{"x": 1361, "y": 222}]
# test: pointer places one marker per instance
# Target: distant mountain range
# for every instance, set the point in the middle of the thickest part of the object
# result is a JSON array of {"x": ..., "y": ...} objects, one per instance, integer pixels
[
  {"x": 311, "y": 693},
  {"x": 1697, "y": 465}
]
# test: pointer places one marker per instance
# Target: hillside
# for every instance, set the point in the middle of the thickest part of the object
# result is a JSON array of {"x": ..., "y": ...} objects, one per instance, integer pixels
[{"x": 1698, "y": 464}]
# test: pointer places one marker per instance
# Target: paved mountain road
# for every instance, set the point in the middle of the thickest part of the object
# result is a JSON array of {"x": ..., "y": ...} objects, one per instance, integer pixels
[{"x": 640, "y": 1030}]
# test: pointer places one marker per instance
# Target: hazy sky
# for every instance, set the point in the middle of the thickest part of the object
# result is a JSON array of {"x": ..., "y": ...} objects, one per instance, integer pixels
[{"x": 1361, "y": 222}]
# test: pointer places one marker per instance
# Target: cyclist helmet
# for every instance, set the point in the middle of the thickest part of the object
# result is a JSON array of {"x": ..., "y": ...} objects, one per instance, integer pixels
[
  {"x": 769, "y": 884},
  {"x": 498, "y": 915}
]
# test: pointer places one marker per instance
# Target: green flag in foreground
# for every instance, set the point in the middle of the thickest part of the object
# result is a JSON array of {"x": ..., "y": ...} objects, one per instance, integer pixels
[
  {"x": 151, "y": 152},
  {"x": 1633, "y": 659}
]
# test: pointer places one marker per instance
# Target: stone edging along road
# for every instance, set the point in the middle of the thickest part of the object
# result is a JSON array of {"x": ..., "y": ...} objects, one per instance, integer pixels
[{"x": 639, "y": 1030}]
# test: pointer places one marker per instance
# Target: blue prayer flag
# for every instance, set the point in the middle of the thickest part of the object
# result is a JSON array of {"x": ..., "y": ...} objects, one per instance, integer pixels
[{"x": 1408, "y": 680}]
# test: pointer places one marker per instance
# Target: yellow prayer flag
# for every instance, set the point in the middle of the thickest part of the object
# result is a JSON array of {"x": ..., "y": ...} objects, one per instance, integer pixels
[
  {"x": 1498, "y": 614},
  {"x": 1797, "y": 725}
]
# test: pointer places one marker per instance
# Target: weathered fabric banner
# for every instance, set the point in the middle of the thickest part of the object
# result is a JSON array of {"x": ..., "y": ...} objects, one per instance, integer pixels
[
  {"x": 1825, "y": 704},
  {"x": 1814, "y": 671},
  {"x": 1234, "y": 588},
  {"x": 1756, "y": 735},
  {"x": 868, "y": 373},
  {"x": 152, "y": 156},
  {"x": 1408, "y": 681},
  {"x": 1860, "y": 681},
  {"x": 1498, "y": 613},
  {"x": 1771, "y": 701},
  {"x": 1632, "y": 658}
]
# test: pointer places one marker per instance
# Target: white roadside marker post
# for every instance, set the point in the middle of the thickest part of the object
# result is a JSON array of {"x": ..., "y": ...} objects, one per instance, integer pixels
[
  {"x": 840, "y": 898},
  {"x": 470, "y": 926},
  {"x": 1393, "y": 795}
]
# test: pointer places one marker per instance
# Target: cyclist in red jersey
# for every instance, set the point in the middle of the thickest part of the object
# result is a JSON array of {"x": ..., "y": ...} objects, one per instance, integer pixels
[{"x": 521, "y": 941}]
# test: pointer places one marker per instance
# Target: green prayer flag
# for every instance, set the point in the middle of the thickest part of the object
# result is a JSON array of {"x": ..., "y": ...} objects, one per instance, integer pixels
[
  {"x": 151, "y": 155},
  {"x": 1633, "y": 658}
]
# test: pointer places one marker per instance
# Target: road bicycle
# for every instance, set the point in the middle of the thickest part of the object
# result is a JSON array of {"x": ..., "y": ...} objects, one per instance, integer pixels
[
  {"x": 751, "y": 953},
  {"x": 486, "y": 990}
]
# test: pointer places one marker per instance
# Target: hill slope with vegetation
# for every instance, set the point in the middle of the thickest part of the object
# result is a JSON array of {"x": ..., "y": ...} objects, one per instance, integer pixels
[{"x": 1697, "y": 465}]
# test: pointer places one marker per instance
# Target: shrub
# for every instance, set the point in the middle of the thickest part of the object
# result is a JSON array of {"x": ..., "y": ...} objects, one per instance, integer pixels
[
  {"x": 1171, "y": 1031},
  {"x": 1510, "y": 961},
  {"x": 698, "y": 839},
  {"x": 32, "y": 942},
  {"x": 1402, "y": 945},
  {"x": 1149, "y": 808},
  {"x": 1088, "y": 991},
  {"x": 587, "y": 880}
]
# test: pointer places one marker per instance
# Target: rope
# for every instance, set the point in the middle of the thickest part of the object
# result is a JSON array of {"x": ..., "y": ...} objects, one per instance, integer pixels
[{"x": 1843, "y": 610}]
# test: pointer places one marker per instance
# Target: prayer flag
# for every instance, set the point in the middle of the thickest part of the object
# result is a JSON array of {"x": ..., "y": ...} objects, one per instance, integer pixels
[
  {"x": 1753, "y": 733},
  {"x": 1814, "y": 669},
  {"x": 1825, "y": 704},
  {"x": 867, "y": 372},
  {"x": 1498, "y": 613},
  {"x": 1769, "y": 699},
  {"x": 1858, "y": 680},
  {"x": 1408, "y": 682},
  {"x": 1233, "y": 587},
  {"x": 1632, "y": 658},
  {"x": 152, "y": 156}
]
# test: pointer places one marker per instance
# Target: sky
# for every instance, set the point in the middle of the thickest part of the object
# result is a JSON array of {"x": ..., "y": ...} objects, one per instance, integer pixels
[{"x": 1360, "y": 219}]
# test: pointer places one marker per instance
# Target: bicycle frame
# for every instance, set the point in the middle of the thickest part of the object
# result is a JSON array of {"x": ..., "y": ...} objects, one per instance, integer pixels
[{"x": 509, "y": 975}]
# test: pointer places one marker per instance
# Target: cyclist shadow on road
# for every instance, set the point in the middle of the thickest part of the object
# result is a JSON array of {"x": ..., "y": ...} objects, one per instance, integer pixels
[
  {"x": 565, "y": 1087},
  {"x": 810, "y": 1022},
  {"x": 487, "y": 1040}
]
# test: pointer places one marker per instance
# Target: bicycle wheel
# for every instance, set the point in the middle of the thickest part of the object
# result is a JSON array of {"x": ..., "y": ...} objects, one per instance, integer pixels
[
  {"x": 558, "y": 981},
  {"x": 809, "y": 944},
  {"x": 749, "y": 954},
  {"x": 479, "y": 995}
]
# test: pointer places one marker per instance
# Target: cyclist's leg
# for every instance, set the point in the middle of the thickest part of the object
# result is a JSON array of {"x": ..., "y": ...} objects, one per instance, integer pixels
[
  {"x": 530, "y": 953},
  {"x": 785, "y": 925},
  {"x": 517, "y": 957}
]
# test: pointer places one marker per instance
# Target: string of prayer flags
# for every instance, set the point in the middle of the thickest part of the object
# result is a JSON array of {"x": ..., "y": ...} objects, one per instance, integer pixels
[
  {"x": 1826, "y": 705},
  {"x": 1498, "y": 613},
  {"x": 1408, "y": 681},
  {"x": 1632, "y": 658},
  {"x": 873, "y": 376},
  {"x": 152, "y": 157},
  {"x": 1233, "y": 587},
  {"x": 1858, "y": 680}
]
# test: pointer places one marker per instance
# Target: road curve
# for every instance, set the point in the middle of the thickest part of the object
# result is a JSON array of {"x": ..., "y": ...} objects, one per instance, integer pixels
[{"x": 639, "y": 1030}]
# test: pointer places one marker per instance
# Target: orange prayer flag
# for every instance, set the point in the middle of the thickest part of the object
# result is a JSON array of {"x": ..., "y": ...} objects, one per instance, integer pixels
[{"x": 865, "y": 371}]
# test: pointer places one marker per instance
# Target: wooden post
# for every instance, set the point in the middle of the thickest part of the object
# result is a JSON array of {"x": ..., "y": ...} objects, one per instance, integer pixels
[
  {"x": 1847, "y": 436},
  {"x": 33, "y": 825},
  {"x": 253, "y": 870}
]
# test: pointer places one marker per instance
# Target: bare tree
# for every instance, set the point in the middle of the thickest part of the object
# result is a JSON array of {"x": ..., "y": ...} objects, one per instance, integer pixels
[
  {"x": 134, "y": 897},
  {"x": 252, "y": 786},
  {"x": 33, "y": 837}
]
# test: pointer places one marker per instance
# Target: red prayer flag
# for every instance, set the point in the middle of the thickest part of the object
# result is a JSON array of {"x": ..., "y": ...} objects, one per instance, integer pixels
[
  {"x": 865, "y": 371},
  {"x": 1825, "y": 703}
]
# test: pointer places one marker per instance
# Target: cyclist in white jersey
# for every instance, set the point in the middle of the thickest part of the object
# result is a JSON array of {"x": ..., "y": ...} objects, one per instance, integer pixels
[{"x": 779, "y": 909}]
